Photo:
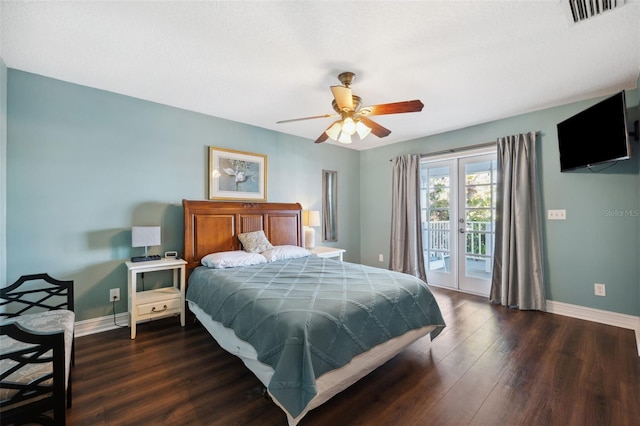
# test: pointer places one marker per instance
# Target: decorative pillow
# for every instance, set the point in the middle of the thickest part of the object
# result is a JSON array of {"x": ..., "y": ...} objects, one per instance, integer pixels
[
  {"x": 255, "y": 242},
  {"x": 285, "y": 252},
  {"x": 232, "y": 259}
]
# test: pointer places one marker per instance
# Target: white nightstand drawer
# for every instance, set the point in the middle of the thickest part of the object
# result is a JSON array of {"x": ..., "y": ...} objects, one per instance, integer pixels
[{"x": 166, "y": 305}]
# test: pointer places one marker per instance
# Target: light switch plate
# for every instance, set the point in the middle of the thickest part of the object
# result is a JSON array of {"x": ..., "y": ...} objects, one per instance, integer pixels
[{"x": 557, "y": 214}]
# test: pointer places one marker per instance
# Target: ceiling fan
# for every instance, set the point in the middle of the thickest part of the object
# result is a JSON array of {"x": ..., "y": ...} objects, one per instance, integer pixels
[{"x": 354, "y": 119}]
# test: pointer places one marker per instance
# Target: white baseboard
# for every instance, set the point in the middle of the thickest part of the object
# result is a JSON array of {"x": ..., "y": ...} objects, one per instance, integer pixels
[
  {"x": 98, "y": 325},
  {"x": 597, "y": 315}
]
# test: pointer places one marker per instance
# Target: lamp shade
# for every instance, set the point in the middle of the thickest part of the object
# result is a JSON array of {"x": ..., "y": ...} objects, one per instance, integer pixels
[
  {"x": 362, "y": 129},
  {"x": 145, "y": 236},
  {"x": 348, "y": 126},
  {"x": 311, "y": 218},
  {"x": 334, "y": 130},
  {"x": 344, "y": 138},
  {"x": 314, "y": 218}
]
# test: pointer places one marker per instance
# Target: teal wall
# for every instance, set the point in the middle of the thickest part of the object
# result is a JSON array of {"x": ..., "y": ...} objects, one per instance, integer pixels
[
  {"x": 594, "y": 244},
  {"x": 84, "y": 165},
  {"x": 3, "y": 173}
]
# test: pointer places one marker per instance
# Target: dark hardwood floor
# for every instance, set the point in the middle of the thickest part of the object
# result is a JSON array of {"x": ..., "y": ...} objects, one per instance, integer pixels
[{"x": 490, "y": 366}]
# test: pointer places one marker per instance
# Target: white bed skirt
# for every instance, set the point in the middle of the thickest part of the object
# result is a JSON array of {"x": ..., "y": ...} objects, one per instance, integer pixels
[{"x": 330, "y": 383}]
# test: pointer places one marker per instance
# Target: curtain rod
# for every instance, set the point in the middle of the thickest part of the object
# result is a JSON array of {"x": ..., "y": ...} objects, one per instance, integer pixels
[
  {"x": 452, "y": 150},
  {"x": 464, "y": 148}
]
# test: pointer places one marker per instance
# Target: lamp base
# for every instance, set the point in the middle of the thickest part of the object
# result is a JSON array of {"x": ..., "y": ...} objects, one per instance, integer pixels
[
  {"x": 309, "y": 238},
  {"x": 145, "y": 258}
]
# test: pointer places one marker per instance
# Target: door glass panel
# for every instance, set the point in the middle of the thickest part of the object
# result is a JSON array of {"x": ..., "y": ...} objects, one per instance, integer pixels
[
  {"x": 436, "y": 206},
  {"x": 480, "y": 184},
  {"x": 458, "y": 211}
]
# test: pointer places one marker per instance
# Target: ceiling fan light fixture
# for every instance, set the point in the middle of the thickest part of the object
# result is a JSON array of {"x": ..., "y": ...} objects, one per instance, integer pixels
[
  {"x": 334, "y": 130},
  {"x": 354, "y": 119},
  {"x": 362, "y": 129},
  {"x": 344, "y": 138},
  {"x": 348, "y": 126}
]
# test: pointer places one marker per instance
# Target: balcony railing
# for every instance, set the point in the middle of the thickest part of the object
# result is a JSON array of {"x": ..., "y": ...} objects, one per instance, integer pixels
[{"x": 479, "y": 238}]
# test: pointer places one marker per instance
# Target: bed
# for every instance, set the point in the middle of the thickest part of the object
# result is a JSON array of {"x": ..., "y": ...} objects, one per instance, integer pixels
[{"x": 307, "y": 327}]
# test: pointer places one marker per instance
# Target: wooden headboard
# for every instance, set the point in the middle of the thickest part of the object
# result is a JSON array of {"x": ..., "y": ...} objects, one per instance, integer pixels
[{"x": 213, "y": 226}]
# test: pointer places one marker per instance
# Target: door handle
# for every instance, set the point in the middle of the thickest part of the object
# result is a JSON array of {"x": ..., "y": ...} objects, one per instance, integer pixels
[{"x": 461, "y": 230}]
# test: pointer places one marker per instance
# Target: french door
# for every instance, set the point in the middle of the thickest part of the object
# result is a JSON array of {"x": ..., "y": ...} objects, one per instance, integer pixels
[{"x": 458, "y": 199}]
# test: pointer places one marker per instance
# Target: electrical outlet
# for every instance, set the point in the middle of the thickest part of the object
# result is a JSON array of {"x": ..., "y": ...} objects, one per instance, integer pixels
[
  {"x": 599, "y": 289},
  {"x": 557, "y": 214},
  {"x": 380, "y": 258},
  {"x": 114, "y": 295}
]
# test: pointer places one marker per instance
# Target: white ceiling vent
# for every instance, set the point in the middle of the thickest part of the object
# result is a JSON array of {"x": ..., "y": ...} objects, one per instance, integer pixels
[{"x": 581, "y": 10}]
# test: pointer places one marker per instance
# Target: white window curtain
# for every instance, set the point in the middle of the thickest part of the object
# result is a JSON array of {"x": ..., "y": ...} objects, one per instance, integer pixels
[
  {"x": 518, "y": 269},
  {"x": 406, "y": 253}
]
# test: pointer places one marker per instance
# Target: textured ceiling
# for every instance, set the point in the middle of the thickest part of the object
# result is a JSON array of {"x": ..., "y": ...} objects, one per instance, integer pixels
[{"x": 259, "y": 62}]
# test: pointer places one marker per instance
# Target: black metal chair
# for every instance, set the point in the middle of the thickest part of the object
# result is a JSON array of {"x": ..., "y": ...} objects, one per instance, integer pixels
[{"x": 34, "y": 379}]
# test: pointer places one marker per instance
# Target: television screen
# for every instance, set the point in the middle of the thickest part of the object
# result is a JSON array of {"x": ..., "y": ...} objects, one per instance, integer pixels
[{"x": 595, "y": 135}]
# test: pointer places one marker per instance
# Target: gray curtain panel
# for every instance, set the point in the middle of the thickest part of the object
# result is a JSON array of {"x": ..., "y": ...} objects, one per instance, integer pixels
[
  {"x": 518, "y": 270},
  {"x": 406, "y": 224}
]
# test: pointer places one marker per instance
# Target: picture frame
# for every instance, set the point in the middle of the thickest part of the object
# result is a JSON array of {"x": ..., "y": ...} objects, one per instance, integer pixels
[{"x": 237, "y": 175}]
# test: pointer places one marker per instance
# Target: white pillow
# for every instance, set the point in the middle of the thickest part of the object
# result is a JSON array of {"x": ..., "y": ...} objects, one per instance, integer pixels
[
  {"x": 232, "y": 259},
  {"x": 285, "y": 252},
  {"x": 255, "y": 242}
]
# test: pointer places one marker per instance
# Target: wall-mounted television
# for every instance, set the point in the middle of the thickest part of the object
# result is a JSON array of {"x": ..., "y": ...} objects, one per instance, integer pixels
[{"x": 596, "y": 135}]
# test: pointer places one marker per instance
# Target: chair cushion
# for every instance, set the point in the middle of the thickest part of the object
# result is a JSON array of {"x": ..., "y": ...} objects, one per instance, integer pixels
[{"x": 48, "y": 321}]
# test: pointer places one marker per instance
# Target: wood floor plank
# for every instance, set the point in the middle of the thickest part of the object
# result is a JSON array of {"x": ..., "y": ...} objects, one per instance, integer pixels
[{"x": 491, "y": 366}]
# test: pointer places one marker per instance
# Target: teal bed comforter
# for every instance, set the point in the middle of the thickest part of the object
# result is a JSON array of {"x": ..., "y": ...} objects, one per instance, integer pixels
[{"x": 310, "y": 315}]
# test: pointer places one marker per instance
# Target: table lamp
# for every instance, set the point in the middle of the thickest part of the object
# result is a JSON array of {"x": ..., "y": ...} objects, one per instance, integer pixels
[
  {"x": 311, "y": 219},
  {"x": 145, "y": 236}
]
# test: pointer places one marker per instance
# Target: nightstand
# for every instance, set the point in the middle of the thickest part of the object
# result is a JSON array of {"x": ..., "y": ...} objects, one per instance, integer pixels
[
  {"x": 159, "y": 302},
  {"x": 321, "y": 251}
]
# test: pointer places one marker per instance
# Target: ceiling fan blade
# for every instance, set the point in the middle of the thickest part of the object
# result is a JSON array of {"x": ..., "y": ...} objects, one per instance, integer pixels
[
  {"x": 343, "y": 97},
  {"x": 307, "y": 118},
  {"x": 376, "y": 129},
  {"x": 323, "y": 137},
  {"x": 393, "y": 108}
]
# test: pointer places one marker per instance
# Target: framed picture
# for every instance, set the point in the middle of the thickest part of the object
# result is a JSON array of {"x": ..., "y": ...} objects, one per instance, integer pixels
[{"x": 237, "y": 175}]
